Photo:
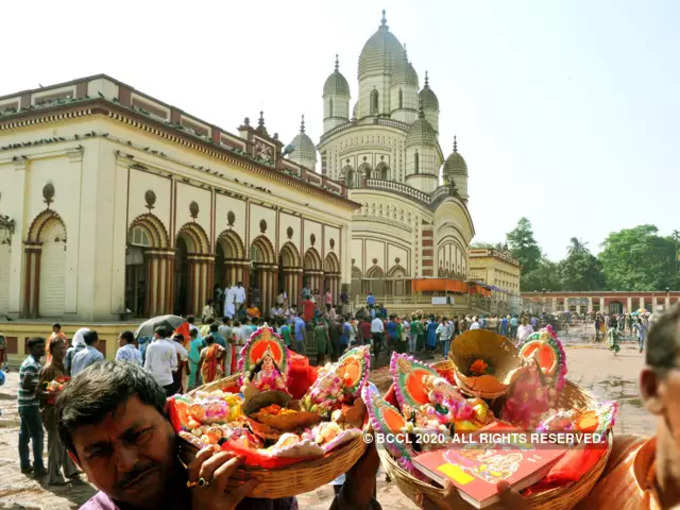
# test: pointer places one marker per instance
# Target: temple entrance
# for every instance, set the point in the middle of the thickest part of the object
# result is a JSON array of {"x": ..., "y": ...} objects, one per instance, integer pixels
[{"x": 135, "y": 281}]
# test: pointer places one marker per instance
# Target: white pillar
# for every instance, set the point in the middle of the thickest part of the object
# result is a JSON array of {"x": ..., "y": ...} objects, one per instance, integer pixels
[
  {"x": 601, "y": 305},
  {"x": 667, "y": 302},
  {"x": 654, "y": 303},
  {"x": 566, "y": 304},
  {"x": 590, "y": 304},
  {"x": 629, "y": 304},
  {"x": 641, "y": 302}
]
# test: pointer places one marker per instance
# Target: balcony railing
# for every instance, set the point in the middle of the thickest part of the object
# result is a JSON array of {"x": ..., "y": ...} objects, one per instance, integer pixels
[{"x": 399, "y": 187}]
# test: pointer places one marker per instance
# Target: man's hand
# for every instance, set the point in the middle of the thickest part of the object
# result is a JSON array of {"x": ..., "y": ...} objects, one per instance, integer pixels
[
  {"x": 510, "y": 499},
  {"x": 223, "y": 490}
]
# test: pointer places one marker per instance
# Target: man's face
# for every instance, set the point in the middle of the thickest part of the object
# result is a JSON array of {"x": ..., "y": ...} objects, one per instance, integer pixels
[
  {"x": 129, "y": 455},
  {"x": 121, "y": 341},
  {"x": 37, "y": 350}
]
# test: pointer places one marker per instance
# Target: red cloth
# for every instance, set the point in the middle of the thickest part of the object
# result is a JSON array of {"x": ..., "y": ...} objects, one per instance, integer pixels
[
  {"x": 308, "y": 308},
  {"x": 571, "y": 467},
  {"x": 183, "y": 330},
  {"x": 301, "y": 374},
  {"x": 365, "y": 329},
  {"x": 234, "y": 358}
]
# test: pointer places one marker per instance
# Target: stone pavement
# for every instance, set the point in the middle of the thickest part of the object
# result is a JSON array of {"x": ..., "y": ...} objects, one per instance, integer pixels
[{"x": 590, "y": 365}]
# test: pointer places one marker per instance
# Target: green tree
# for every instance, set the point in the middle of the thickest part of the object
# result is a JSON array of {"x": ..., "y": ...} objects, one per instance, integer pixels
[
  {"x": 523, "y": 246},
  {"x": 639, "y": 259},
  {"x": 581, "y": 270},
  {"x": 544, "y": 277}
]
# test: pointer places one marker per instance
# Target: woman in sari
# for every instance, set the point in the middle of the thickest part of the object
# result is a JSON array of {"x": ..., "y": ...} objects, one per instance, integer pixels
[{"x": 211, "y": 364}]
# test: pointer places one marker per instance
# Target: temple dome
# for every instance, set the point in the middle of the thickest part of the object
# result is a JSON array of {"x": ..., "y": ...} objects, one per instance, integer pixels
[
  {"x": 336, "y": 84},
  {"x": 428, "y": 97},
  {"x": 455, "y": 164},
  {"x": 381, "y": 53},
  {"x": 421, "y": 132},
  {"x": 305, "y": 150}
]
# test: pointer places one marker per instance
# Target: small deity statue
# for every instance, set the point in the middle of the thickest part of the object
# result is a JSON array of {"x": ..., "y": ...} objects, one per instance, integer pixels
[{"x": 265, "y": 375}]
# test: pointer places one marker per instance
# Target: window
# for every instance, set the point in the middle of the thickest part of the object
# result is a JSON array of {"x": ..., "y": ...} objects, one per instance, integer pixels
[
  {"x": 140, "y": 237},
  {"x": 416, "y": 160},
  {"x": 374, "y": 102},
  {"x": 401, "y": 99},
  {"x": 330, "y": 107}
]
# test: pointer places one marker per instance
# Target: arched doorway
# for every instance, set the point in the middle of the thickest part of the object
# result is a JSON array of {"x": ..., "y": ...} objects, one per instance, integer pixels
[
  {"x": 397, "y": 281},
  {"x": 290, "y": 272},
  {"x": 382, "y": 171},
  {"x": 45, "y": 263},
  {"x": 148, "y": 268},
  {"x": 313, "y": 271},
  {"x": 331, "y": 273},
  {"x": 376, "y": 280},
  {"x": 231, "y": 261},
  {"x": 194, "y": 271},
  {"x": 263, "y": 274}
]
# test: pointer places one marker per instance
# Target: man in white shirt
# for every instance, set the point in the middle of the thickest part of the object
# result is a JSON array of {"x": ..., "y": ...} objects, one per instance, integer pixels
[
  {"x": 445, "y": 332},
  {"x": 88, "y": 356},
  {"x": 524, "y": 330},
  {"x": 239, "y": 295},
  {"x": 229, "y": 302},
  {"x": 128, "y": 350},
  {"x": 161, "y": 359},
  {"x": 378, "y": 336},
  {"x": 474, "y": 324}
]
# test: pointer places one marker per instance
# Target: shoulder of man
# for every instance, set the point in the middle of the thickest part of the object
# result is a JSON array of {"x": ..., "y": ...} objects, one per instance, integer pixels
[{"x": 99, "y": 501}]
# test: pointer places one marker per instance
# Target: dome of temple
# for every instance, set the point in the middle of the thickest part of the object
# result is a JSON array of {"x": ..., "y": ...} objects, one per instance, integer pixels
[{"x": 381, "y": 53}]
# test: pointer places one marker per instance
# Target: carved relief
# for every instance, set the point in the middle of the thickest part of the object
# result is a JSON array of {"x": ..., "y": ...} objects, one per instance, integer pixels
[
  {"x": 150, "y": 199},
  {"x": 231, "y": 218},
  {"x": 48, "y": 193},
  {"x": 193, "y": 209}
]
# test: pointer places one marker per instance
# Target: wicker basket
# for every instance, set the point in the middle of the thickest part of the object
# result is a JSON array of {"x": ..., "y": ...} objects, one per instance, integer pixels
[
  {"x": 297, "y": 478},
  {"x": 225, "y": 382},
  {"x": 290, "y": 480},
  {"x": 560, "y": 498}
]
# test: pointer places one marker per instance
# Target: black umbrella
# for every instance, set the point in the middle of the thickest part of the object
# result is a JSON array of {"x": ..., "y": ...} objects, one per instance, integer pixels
[{"x": 147, "y": 327}]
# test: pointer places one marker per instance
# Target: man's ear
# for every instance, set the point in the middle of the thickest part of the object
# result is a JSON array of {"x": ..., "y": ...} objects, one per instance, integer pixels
[
  {"x": 74, "y": 458},
  {"x": 650, "y": 383}
]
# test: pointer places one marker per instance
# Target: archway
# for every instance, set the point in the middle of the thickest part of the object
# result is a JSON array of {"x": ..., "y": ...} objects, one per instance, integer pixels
[
  {"x": 290, "y": 272},
  {"x": 231, "y": 264},
  {"x": 148, "y": 268},
  {"x": 397, "y": 281},
  {"x": 263, "y": 274},
  {"x": 382, "y": 171},
  {"x": 313, "y": 271},
  {"x": 331, "y": 270},
  {"x": 349, "y": 177},
  {"x": 194, "y": 271},
  {"x": 45, "y": 263},
  {"x": 365, "y": 171},
  {"x": 376, "y": 280}
]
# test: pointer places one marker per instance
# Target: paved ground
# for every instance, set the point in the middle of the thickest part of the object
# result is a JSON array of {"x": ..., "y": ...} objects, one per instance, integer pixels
[{"x": 593, "y": 366}]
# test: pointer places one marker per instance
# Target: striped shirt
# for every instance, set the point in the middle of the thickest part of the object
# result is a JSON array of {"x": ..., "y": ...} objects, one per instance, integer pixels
[{"x": 28, "y": 375}]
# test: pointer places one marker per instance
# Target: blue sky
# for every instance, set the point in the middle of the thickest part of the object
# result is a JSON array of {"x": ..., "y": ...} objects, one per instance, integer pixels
[{"x": 566, "y": 112}]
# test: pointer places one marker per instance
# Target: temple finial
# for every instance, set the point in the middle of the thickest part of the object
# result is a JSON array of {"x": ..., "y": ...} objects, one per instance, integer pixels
[
  {"x": 260, "y": 122},
  {"x": 455, "y": 144},
  {"x": 337, "y": 62},
  {"x": 302, "y": 124},
  {"x": 383, "y": 21},
  {"x": 427, "y": 79},
  {"x": 421, "y": 112}
]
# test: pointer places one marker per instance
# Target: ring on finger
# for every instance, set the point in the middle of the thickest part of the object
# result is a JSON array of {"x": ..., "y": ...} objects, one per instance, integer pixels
[{"x": 203, "y": 483}]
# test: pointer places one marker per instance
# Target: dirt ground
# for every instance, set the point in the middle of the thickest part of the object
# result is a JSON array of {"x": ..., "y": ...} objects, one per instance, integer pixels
[{"x": 607, "y": 376}]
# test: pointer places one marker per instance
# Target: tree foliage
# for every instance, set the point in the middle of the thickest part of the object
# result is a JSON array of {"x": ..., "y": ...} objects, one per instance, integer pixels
[
  {"x": 581, "y": 270},
  {"x": 544, "y": 277},
  {"x": 523, "y": 246},
  {"x": 639, "y": 259}
]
